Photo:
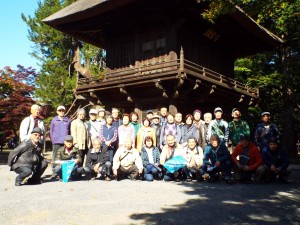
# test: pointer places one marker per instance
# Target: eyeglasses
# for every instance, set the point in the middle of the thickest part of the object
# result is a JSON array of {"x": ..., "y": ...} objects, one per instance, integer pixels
[
  {"x": 61, "y": 110},
  {"x": 35, "y": 134}
]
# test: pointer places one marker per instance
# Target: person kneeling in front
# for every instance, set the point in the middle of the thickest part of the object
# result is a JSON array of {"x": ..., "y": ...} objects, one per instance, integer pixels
[
  {"x": 249, "y": 165},
  {"x": 97, "y": 162},
  {"x": 68, "y": 152},
  {"x": 150, "y": 157},
  {"x": 276, "y": 163},
  {"x": 27, "y": 159},
  {"x": 216, "y": 159},
  {"x": 127, "y": 162},
  {"x": 170, "y": 150}
]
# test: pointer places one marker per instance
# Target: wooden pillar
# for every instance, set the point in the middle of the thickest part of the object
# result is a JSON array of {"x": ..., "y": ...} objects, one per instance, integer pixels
[{"x": 181, "y": 67}]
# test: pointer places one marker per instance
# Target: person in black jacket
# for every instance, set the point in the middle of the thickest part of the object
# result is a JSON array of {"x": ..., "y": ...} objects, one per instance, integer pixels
[
  {"x": 98, "y": 161},
  {"x": 276, "y": 163},
  {"x": 265, "y": 130},
  {"x": 27, "y": 159}
]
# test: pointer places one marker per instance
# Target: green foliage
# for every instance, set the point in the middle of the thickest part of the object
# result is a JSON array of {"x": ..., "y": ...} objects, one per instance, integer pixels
[
  {"x": 52, "y": 48},
  {"x": 276, "y": 73},
  {"x": 55, "y": 52},
  {"x": 95, "y": 59}
]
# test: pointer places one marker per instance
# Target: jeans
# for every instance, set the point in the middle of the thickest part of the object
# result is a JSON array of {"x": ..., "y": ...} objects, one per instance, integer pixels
[
  {"x": 169, "y": 176},
  {"x": 76, "y": 172},
  {"x": 224, "y": 167},
  {"x": 151, "y": 172}
]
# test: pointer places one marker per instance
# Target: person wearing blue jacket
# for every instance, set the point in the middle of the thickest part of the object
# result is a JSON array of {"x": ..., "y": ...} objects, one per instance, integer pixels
[
  {"x": 59, "y": 129},
  {"x": 216, "y": 159},
  {"x": 276, "y": 163},
  {"x": 150, "y": 158},
  {"x": 108, "y": 136}
]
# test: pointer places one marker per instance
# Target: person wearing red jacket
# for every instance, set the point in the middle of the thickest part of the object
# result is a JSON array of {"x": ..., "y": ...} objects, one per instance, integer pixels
[{"x": 249, "y": 162}]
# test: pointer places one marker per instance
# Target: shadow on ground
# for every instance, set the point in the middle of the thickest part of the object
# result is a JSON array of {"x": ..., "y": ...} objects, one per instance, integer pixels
[{"x": 219, "y": 203}]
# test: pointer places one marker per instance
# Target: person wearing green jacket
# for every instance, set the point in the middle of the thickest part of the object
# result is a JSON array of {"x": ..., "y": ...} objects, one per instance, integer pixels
[{"x": 237, "y": 127}]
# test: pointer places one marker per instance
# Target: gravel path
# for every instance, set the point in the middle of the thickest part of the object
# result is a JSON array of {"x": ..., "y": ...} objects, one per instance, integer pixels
[{"x": 140, "y": 202}]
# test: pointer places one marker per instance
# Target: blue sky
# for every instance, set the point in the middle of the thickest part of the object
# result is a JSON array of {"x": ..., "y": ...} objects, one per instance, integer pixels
[{"x": 14, "y": 43}]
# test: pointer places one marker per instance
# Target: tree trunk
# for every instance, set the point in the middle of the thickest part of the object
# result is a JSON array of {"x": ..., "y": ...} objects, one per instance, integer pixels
[
  {"x": 288, "y": 117},
  {"x": 77, "y": 65}
]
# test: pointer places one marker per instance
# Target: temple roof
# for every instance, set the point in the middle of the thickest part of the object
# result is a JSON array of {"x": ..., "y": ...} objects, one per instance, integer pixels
[{"x": 88, "y": 10}]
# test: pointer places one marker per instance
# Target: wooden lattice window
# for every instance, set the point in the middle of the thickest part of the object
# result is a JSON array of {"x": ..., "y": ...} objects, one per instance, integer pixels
[{"x": 154, "y": 45}]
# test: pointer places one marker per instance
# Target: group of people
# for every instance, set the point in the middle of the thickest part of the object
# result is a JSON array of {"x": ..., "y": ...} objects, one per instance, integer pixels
[{"x": 109, "y": 147}]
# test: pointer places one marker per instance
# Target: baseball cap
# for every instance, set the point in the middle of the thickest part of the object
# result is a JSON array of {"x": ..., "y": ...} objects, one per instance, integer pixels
[
  {"x": 218, "y": 109},
  {"x": 37, "y": 130},
  {"x": 68, "y": 138},
  {"x": 61, "y": 107},
  {"x": 101, "y": 109},
  {"x": 235, "y": 109},
  {"x": 265, "y": 113},
  {"x": 93, "y": 111}
]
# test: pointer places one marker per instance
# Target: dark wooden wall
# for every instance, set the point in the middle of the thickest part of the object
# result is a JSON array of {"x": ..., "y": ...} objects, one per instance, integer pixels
[{"x": 162, "y": 36}]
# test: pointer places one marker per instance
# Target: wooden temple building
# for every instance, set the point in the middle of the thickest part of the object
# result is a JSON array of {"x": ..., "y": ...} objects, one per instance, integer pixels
[{"x": 162, "y": 52}]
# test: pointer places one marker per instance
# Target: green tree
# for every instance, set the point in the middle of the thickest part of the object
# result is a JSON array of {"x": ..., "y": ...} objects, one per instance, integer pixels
[
  {"x": 275, "y": 73},
  {"x": 59, "y": 56}
]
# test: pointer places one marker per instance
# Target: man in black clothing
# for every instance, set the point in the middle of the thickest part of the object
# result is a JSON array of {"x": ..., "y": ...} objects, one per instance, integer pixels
[
  {"x": 27, "y": 159},
  {"x": 98, "y": 162}
]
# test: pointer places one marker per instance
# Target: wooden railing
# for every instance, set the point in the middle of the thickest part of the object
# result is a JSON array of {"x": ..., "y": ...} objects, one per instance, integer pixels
[
  {"x": 168, "y": 63},
  {"x": 217, "y": 78}
]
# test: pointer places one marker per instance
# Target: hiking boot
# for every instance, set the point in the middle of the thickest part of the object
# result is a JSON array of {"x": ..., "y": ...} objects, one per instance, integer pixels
[
  {"x": 18, "y": 183},
  {"x": 53, "y": 177},
  {"x": 34, "y": 181}
]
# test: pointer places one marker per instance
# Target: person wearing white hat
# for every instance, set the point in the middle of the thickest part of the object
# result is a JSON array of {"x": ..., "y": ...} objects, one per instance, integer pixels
[
  {"x": 101, "y": 116},
  {"x": 218, "y": 126},
  {"x": 59, "y": 128},
  {"x": 237, "y": 127},
  {"x": 93, "y": 124}
]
